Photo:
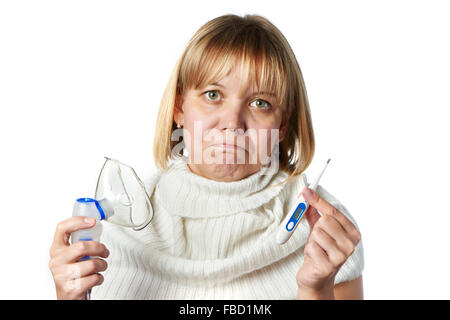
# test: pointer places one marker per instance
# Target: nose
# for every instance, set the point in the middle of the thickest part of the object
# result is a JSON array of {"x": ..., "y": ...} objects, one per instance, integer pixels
[{"x": 233, "y": 117}]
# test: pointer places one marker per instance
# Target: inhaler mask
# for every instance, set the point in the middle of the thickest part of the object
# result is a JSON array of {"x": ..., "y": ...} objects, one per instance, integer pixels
[{"x": 122, "y": 196}]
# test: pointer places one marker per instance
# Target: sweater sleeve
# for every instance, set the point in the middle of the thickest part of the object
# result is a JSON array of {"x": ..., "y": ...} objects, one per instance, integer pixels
[{"x": 354, "y": 265}]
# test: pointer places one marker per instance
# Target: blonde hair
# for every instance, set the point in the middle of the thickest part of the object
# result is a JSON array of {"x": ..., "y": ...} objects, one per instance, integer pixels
[{"x": 265, "y": 58}]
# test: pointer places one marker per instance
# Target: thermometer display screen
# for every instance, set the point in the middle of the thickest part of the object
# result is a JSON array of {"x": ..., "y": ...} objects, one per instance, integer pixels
[{"x": 298, "y": 212}]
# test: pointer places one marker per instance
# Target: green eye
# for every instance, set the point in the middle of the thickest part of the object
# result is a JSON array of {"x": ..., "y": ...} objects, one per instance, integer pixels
[
  {"x": 261, "y": 104},
  {"x": 212, "y": 95}
]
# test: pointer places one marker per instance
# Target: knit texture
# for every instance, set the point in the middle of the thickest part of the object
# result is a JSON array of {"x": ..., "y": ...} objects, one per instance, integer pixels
[{"x": 213, "y": 240}]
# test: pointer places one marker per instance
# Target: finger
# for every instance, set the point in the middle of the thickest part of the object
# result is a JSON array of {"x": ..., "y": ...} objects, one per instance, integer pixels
[
  {"x": 317, "y": 201},
  {"x": 91, "y": 281},
  {"x": 315, "y": 252},
  {"x": 68, "y": 272},
  {"x": 344, "y": 228},
  {"x": 76, "y": 288},
  {"x": 88, "y": 267},
  {"x": 82, "y": 249},
  {"x": 326, "y": 208},
  {"x": 92, "y": 266},
  {"x": 66, "y": 227},
  {"x": 329, "y": 245},
  {"x": 334, "y": 228}
]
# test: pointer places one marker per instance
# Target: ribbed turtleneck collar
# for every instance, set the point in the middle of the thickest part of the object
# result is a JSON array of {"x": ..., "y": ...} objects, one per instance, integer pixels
[{"x": 184, "y": 193}]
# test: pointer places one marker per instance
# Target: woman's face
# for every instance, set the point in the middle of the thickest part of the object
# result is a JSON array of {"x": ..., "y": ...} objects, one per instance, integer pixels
[{"x": 229, "y": 136}]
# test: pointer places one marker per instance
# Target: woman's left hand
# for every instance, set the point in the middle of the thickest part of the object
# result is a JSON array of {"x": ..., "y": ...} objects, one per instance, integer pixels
[{"x": 332, "y": 240}]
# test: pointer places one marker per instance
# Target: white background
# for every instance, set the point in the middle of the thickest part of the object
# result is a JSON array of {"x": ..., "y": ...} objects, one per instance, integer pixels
[{"x": 80, "y": 80}]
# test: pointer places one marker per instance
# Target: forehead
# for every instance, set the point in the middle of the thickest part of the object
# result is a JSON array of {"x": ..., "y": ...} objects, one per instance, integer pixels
[{"x": 234, "y": 80}]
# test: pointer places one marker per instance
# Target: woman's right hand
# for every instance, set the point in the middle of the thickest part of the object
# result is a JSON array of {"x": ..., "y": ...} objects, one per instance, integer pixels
[{"x": 72, "y": 277}]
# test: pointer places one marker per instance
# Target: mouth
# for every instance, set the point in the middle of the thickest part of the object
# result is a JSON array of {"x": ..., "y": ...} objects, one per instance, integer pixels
[{"x": 227, "y": 147}]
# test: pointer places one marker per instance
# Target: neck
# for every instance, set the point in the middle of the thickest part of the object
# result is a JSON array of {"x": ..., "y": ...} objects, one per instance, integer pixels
[{"x": 184, "y": 193}]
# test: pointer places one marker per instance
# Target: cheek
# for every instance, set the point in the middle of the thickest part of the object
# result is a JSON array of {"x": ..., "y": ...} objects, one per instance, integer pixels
[
  {"x": 195, "y": 115},
  {"x": 267, "y": 134},
  {"x": 196, "y": 125},
  {"x": 262, "y": 141}
]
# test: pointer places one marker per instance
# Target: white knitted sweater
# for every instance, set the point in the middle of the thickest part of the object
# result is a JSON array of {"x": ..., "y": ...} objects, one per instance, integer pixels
[{"x": 213, "y": 240}]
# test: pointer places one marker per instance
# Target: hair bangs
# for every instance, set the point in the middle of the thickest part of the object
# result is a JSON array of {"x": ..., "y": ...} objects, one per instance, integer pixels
[
  {"x": 259, "y": 62},
  {"x": 206, "y": 66}
]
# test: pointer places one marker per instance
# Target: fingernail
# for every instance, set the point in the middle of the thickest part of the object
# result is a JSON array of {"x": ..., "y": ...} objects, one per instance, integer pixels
[
  {"x": 89, "y": 220},
  {"x": 307, "y": 194}
]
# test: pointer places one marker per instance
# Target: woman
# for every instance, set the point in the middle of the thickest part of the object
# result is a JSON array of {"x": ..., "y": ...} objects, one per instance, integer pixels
[{"x": 233, "y": 138}]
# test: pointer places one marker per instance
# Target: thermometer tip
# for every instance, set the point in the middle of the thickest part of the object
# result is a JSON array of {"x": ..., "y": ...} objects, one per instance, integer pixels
[{"x": 328, "y": 161}]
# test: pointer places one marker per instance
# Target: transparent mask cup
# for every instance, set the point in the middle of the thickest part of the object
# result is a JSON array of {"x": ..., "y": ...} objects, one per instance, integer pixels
[{"x": 122, "y": 196}]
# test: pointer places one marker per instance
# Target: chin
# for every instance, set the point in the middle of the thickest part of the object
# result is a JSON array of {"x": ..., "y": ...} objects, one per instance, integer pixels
[{"x": 228, "y": 172}]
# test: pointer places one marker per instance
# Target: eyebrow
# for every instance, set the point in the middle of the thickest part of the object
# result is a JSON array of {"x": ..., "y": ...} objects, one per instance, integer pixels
[{"x": 256, "y": 92}]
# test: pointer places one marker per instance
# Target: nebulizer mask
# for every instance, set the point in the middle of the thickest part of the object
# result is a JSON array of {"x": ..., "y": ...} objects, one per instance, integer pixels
[{"x": 120, "y": 198}]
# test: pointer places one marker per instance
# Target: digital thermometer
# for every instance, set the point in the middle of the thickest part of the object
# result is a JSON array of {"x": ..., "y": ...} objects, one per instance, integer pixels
[{"x": 291, "y": 221}]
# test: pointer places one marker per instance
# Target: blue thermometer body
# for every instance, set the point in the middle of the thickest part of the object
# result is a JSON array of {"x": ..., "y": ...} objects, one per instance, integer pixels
[
  {"x": 291, "y": 222},
  {"x": 296, "y": 216}
]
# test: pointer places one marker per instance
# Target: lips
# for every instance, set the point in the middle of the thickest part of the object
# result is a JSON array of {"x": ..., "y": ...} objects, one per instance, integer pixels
[{"x": 224, "y": 146}]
